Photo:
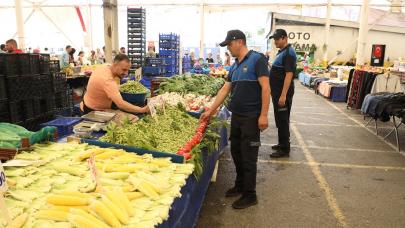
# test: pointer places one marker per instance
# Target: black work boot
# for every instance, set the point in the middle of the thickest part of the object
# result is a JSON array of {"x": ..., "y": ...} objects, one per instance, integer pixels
[
  {"x": 281, "y": 153},
  {"x": 245, "y": 201},
  {"x": 232, "y": 192},
  {"x": 275, "y": 147}
]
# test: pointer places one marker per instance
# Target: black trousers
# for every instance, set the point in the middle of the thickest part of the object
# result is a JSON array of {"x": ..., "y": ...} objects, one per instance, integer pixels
[
  {"x": 245, "y": 143},
  {"x": 282, "y": 119}
]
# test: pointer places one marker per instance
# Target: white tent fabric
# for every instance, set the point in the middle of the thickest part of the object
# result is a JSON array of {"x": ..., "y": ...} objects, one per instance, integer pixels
[{"x": 55, "y": 23}]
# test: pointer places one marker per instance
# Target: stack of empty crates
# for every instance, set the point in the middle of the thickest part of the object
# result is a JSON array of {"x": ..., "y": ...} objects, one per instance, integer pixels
[
  {"x": 27, "y": 89},
  {"x": 187, "y": 64},
  {"x": 169, "y": 48},
  {"x": 154, "y": 67},
  {"x": 136, "y": 36}
]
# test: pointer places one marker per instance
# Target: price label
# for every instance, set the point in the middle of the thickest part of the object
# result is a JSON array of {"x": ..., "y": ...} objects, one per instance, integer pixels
[
  {"x": 152, "y": 107},
  {"x": 93, "y": 169},
  {"x": 3, "y": 183}
]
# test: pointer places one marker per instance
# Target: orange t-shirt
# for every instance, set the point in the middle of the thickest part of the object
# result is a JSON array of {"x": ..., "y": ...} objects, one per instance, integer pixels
[{"x": 102, "y": 89}]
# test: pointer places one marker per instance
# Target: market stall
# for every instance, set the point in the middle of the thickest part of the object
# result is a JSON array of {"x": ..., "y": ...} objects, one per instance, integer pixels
[{"x": 173, "y": 135}]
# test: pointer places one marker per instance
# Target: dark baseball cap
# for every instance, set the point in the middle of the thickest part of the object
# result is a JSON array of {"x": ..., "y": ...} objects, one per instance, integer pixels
[
  {"x": 279, "y": 33},
  {"x": 233, "y": 35}
]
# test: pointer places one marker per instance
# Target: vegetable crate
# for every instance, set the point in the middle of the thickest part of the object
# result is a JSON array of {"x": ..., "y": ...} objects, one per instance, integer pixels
[
  {"x": 20, "y": 88},
  {"x": 168, "y": 37},
  {"x": 153, "y": 70},
  {"x": 3, "y": 90},
  {"x": 168, "y": 45},
  {"x": 43, "y": 85},
  {"x": 167, "y": 52},
  {"x": 170, "y": 61},
  {"x": 4, "y": 112},
  {"x": 54, "y": 66},
  {"x": 59, "y": 82},
  {"x": 15, "y": 111},
  {"x": 64, "y": 124},
  {"x": 155, "y": 61},
  {"x": 44, "y": 63},
  {"x": 19, "y": 64},
  {"x": 136, "y": 99}
]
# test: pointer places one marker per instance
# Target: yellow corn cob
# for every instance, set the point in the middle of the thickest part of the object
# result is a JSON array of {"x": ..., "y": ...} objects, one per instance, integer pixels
[
  {"x": 64, "y": 200},
  {"x": 124, "y": 199},
  {"x": 70, "y": 170},
  {"x": 76, "y": 194},
  {"x": 147, "y": 190},
  {"x": 55, "y": 215},
  {"x": 80, "y": 222},
  {"x": 134, "y": 195},
  {"x": 102, "y": 210},
  {"x": 88, "y": 153},
  {"x": 161, "y": 162},
  {"x": 67, "y": 208},
  {"x": 122, "y": 215},
  {"x": 92, "y": 218},
  {"x": 108, "y": 154},
  {"x": 115, "y": 199},
  {"x": 18, "y": 222},
  {"x": 116, "y": 175}
]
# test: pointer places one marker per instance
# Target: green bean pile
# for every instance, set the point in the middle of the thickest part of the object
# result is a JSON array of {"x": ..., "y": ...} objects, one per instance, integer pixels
[
  {"x": 133, "y": 87},
  {"x": 168, "y": 131}
]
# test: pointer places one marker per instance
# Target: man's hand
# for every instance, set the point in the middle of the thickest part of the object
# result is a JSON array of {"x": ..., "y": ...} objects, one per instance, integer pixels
[
  {"x": 145, "y": 109},
  {"x": 206, "y": 115},
  {"x": 263, "y": 122},
  {"x": 281, "y": 101}
]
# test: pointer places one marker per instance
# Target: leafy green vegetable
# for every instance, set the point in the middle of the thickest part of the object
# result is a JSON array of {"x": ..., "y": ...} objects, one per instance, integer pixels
[
  {"x": 133, "y": 87},
  {"x": 198, "y": 84}
]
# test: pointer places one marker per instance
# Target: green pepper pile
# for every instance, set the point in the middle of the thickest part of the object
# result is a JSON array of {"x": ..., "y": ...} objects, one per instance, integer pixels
[
  {"x": 198, "y": 84},
  {"x": 133, "y": 87}
]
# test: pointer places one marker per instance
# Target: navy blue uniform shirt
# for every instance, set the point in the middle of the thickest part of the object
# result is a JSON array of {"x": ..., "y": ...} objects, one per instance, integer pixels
[
  {"x": 246, "y": 93},
  {"x": 285, "y": 61}
]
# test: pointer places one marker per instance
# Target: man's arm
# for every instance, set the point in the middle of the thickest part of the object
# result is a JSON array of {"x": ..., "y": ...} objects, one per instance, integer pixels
[
  {"x": 221, "y": 96},
  {"x": 287, "y": 82},
  {"x": 264, "y": 83},
  {"x": 113, "y": 92}
]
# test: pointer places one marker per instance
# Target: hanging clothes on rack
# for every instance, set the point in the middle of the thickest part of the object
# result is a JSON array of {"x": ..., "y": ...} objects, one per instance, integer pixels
[
  {"x": 387, "y": 83},
  {"x": 360, "y": 85}
]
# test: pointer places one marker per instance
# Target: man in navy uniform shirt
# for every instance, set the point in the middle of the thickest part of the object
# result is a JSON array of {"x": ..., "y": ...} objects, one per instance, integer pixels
[
  {"x": 248, "y": 84},
  {"x": 282, "y": 90}
]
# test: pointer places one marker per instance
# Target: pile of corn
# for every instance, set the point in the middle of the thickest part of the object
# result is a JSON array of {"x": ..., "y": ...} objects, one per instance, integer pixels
[{"x": 59, "y": 191}]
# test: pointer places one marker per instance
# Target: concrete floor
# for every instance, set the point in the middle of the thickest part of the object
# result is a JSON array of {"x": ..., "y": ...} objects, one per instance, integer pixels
[{"x": 339, "y": 174}]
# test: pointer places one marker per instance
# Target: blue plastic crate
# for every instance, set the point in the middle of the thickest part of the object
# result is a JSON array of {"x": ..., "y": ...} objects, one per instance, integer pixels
[
  {"x": 146, "y": 81},
  {"x": 168, "y": 45},
  {"x": 155, "y": 61},
  {"x": 153, "y": 70},
  {"x": 170, "y": 69},
  {"x": 170, "y": 61},
  {"x": 170, "y": 36},
  {"x": 167, "y": 53},
  {"x": 64, "y": 124}
]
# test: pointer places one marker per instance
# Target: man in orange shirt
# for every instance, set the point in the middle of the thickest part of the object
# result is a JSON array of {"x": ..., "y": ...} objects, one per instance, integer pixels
[
  {"x": 11, "y": 47},
  {"x": 104, "y": 88}
]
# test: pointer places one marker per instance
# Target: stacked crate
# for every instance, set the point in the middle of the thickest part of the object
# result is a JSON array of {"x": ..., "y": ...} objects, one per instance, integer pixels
[
  {"x": 136, "y": 36},
  {"x": 154, "y": 67},
  {"x": 169, "y": 48},
  {"x": 187, "y": 64},
  {"x": 27, "y": 95}
]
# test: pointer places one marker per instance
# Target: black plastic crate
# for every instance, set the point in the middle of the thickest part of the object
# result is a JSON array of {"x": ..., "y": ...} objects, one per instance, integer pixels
[
  {"x": 42, "y": 85},
  {"x": 4, "y": 111},
  {"x": 59, "y": 82},
  {"x": 47, "y": 104},
  {"x": 15, "y": 111},
  {"x": 19, "y": 64},
  {"x": 37, "y": 106},
  {"x": 44, "y": 63},
  {"x": 61, "y": 100},
  {"x": 27, "y": 109},
  {"x": 20, "y": 88},
  {"x": 3, "y": 90},
  {"x": 54, "y": 66}
]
